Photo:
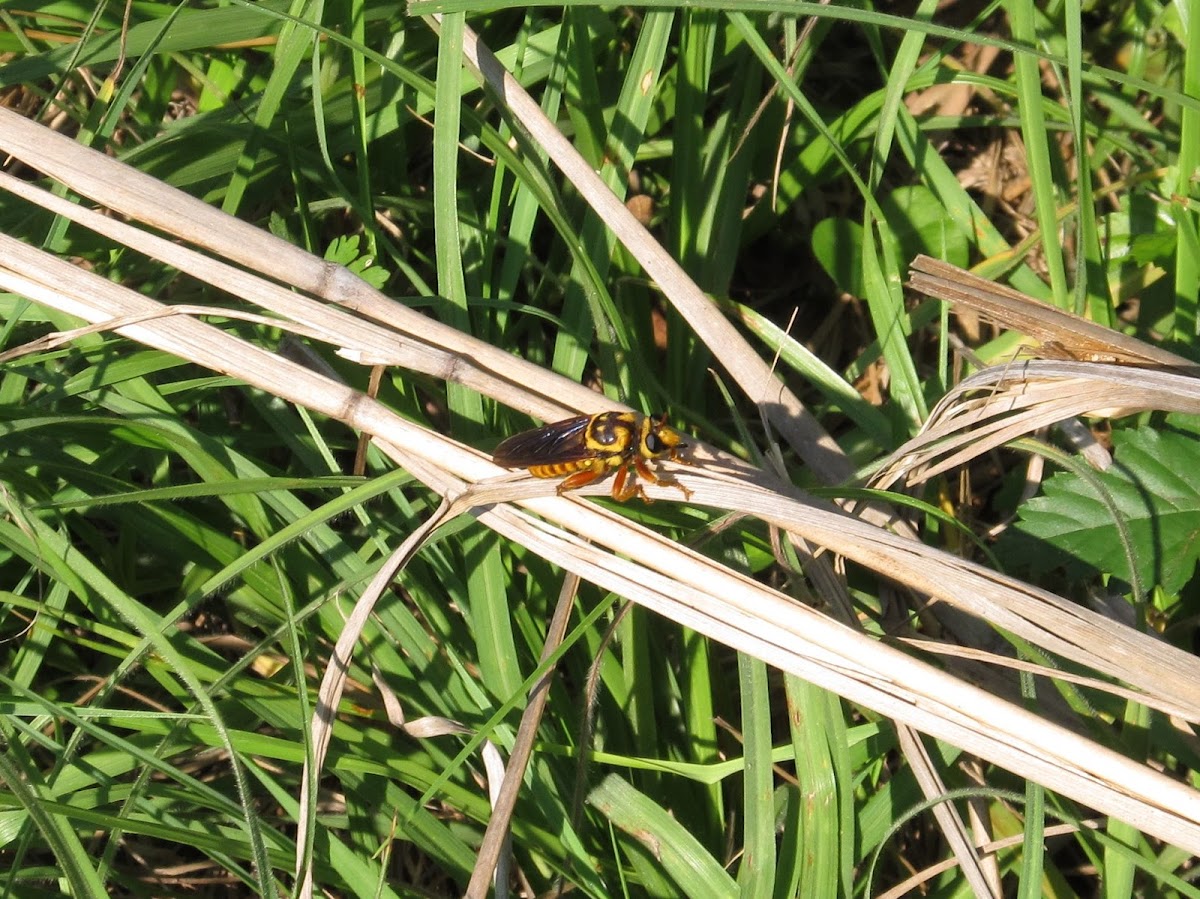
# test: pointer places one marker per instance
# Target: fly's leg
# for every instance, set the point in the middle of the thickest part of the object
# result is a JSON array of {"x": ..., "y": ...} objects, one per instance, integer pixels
[
  {"x": 625, "y": 486},
  {"x": 586, "y": 476},
  {"x": 647, "y": 473}
]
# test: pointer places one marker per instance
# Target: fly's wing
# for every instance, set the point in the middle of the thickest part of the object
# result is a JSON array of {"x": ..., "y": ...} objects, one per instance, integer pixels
[{"x": 563, "y": 441}]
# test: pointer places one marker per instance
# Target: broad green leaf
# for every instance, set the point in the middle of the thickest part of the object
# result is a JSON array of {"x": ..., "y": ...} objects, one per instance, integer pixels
[{"x": 1155, "y": 487}]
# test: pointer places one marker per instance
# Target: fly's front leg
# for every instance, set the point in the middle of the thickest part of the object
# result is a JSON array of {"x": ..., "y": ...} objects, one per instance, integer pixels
[
  {"x": 648, "y": 474},
  {"x": 625, "y": 486}
]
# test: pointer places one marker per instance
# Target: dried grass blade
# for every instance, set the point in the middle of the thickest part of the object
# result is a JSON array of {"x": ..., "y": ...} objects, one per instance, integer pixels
[{"x": 1061, "y": 334}]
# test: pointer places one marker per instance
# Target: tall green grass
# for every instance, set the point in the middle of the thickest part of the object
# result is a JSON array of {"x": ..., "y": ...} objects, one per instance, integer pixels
[{"x": 179, "y": 552}]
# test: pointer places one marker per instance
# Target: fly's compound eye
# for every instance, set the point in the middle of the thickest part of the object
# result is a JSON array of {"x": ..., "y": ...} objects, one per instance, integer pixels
[{"x": 654, "y": 444}]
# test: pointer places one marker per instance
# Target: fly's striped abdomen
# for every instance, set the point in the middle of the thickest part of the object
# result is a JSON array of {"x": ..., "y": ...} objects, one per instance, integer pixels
[{"x": 558, "y": 469}]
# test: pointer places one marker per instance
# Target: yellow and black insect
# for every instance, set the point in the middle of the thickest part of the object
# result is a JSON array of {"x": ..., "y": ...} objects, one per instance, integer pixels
[{"x": 588, "y": 447}]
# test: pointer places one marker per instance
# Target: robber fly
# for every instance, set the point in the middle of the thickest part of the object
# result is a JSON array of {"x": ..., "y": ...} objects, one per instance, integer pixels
[{"x": 588, "y": 447}]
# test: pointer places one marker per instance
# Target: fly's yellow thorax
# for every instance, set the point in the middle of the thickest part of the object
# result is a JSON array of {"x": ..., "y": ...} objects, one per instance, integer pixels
[{"x": 612, "y": 434}]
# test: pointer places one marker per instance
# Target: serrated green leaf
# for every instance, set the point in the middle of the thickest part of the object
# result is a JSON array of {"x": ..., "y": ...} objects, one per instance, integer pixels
[
  {"x": 1155, "y": 487},
  {"x": 348, "y": 251}
]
